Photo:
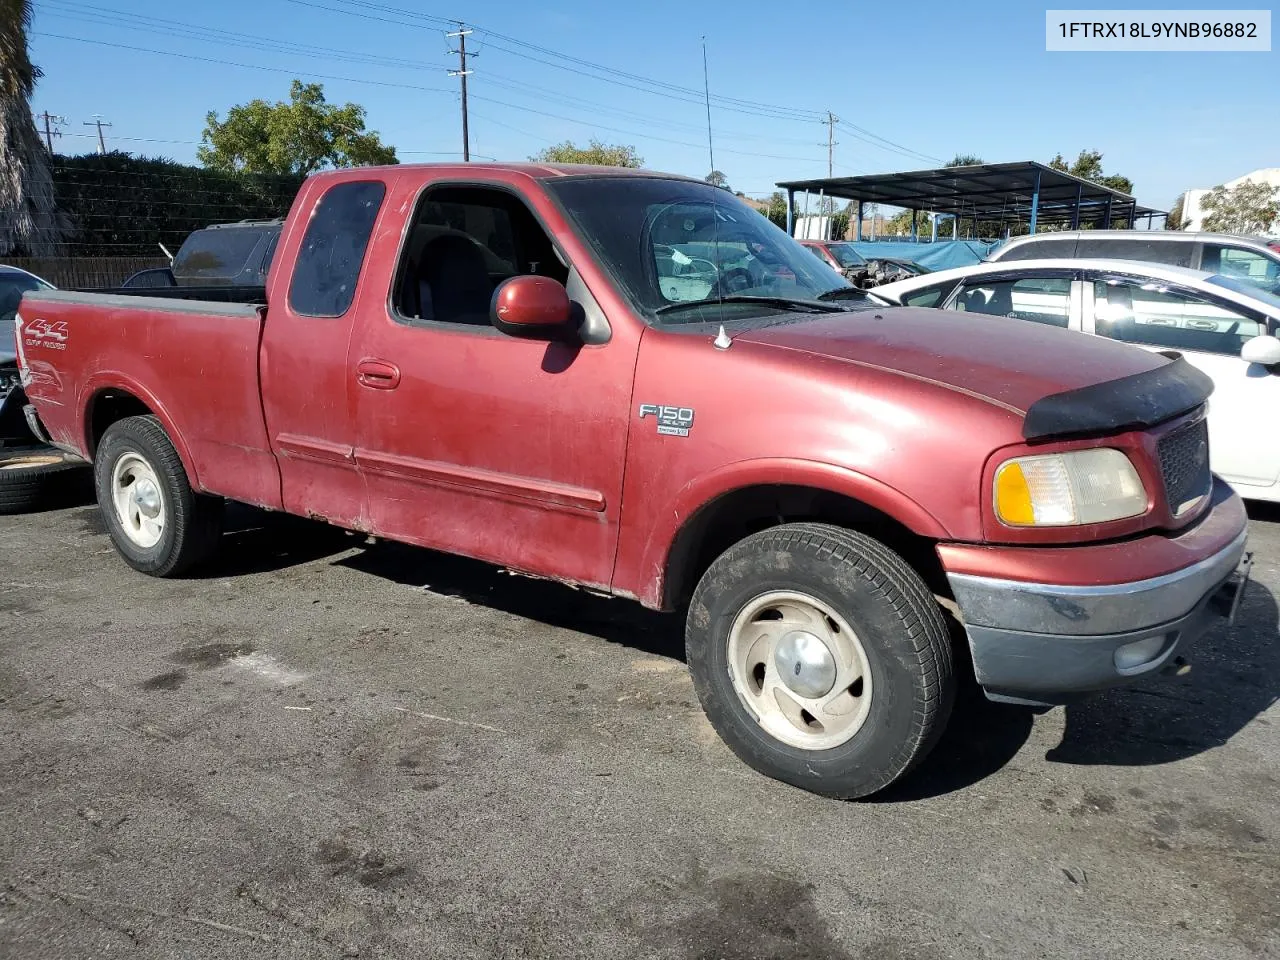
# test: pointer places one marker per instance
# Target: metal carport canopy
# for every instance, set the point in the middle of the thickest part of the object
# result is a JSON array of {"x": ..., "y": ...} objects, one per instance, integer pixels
[{"x": 1026, "y": 191}]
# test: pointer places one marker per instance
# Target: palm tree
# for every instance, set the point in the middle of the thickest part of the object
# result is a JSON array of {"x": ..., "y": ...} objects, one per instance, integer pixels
[{"x": 29, "y": 221}]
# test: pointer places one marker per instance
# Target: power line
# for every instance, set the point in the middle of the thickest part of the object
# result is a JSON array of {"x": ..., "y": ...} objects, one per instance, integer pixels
[
  {"x": 87, "y": 13},
  {"x": 247, "y": 66}
]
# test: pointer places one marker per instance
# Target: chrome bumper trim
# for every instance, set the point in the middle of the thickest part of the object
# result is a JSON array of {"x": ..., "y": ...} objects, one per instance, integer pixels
[{"x": 1086, "y": 611}]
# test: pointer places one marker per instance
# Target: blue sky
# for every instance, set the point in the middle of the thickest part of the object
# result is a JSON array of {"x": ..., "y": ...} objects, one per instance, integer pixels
[{"x": 932, "y": 79}]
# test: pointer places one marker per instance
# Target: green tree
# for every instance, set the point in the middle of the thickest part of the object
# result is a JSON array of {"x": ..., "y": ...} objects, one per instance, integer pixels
[
  {"x": 299, "y": 137},
  {"x": 965, "y": 160},
  {"x": 717, "y": 179},
  {"x": 1248, "y": 208},
  {"x": 777, "y": 211},
  {"x": 1175, "y": 220},
  {"x": 595, "y": 152},
  {"x": 900, "y": 224},
  {"x": 1088, "y": 166},
  {"x": 29, "y": 220}
]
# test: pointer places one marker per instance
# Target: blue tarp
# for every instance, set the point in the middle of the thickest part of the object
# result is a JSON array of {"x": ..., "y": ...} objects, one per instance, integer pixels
[{"x": 936, "y": 256}]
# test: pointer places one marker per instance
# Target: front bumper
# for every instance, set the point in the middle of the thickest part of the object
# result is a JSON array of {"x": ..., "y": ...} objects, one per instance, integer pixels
[{"x": 1042, "y": 643}]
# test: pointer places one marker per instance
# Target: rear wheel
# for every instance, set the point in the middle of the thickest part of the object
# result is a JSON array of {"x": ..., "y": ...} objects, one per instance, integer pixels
[
  {"x": 821, "y": 658},
  {"x": 157, "y": 522}
]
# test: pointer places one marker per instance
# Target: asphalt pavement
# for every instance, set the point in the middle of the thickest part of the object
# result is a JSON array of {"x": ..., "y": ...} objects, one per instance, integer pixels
[{"x": 325, "y": 748}]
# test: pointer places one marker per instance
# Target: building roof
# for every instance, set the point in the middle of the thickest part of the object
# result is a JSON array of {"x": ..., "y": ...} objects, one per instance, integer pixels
[{"x": 989, "y": 191}]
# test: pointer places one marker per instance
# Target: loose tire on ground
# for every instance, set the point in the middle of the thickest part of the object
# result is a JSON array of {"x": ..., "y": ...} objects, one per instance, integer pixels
[
  {"x": 158, "y": 524},
  {"x": 758, "y": 623},
  {"x": 35, "y": 477}
]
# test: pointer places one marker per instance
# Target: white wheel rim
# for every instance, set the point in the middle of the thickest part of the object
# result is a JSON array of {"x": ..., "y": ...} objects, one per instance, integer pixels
[
  {"x": 138, "y": 499},
  {"x": 800, "y": 670}
]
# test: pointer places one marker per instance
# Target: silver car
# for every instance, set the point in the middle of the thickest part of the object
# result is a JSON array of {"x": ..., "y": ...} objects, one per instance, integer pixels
[{"x": 1250, "y": 259}]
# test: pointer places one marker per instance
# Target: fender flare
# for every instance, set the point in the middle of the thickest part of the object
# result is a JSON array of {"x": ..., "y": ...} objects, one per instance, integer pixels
[
  {"x": 708, "y": 487},
  {"x": 111, "y": 380}
]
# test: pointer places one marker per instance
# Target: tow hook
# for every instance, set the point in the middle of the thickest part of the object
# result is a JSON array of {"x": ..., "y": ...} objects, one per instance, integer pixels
[{"x": 1177, "y": 667}]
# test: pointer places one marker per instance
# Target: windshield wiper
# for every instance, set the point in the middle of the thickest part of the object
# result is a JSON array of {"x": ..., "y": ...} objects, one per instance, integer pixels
[
  {"x": 842, "y": 293},
  {"x": 783, "y": 303}
]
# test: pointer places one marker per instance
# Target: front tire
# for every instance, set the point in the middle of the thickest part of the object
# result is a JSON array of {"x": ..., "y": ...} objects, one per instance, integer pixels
[
  {"x": 821, "y": 658},
  {"x": 159, "y": 525}
]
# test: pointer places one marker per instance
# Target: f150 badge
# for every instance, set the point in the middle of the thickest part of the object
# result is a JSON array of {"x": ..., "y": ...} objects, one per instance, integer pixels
[{"x": 672, "y": 421}]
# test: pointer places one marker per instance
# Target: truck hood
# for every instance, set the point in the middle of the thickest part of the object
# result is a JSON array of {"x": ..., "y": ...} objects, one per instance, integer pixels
[{"x": 1008, "y": 362}]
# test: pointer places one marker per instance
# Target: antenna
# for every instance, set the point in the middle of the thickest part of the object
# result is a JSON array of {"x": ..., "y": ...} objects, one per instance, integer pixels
[
  {"x": 706, "y": 89},
  {"x": 715, "y": 215}
]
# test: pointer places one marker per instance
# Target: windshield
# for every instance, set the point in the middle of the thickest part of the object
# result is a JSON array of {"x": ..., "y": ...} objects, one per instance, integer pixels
[
  {"x": 845, "y": 255},
  {"x": 1249, "y": 288},
  {"x": 676, "y": 243}
]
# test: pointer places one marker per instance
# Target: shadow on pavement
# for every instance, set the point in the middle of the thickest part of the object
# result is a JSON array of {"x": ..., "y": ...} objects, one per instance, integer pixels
[
  {"x": 1235, "y": 677},
  {"x": 261, "y": 541},
  {"x": 615, "y": 620},
  {"x": 980, "y": 738}
]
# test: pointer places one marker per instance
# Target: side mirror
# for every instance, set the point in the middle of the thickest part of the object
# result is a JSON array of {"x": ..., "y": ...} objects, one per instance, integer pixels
[
  {"x": 1261, "y": 350},
  {"x": 534, "y": 308}
]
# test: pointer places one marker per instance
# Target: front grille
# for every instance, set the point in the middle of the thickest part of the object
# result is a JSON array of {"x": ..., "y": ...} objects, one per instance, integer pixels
[{"x": 1184, "y": 465}]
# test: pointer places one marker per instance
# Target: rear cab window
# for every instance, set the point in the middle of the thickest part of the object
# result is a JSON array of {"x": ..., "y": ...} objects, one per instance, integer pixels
[
  {"x": 217, "y": 254},
  {"x": 333, "y": 248}
]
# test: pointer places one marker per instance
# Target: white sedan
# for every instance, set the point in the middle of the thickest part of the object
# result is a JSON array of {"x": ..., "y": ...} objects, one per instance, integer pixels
[{"x": 1225, "y": 326}]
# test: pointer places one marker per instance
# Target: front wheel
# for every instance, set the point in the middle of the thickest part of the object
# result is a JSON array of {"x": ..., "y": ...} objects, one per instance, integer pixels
[
  {"x": 821, "y": 658},
  {"x": 157, "y": 522}
]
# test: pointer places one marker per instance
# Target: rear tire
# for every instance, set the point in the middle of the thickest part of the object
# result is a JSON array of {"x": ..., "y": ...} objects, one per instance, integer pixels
[
  {"x": 159, "y": 525},
  {"x": 36, "y": 477},
  {"x": 846, "y": 722}
]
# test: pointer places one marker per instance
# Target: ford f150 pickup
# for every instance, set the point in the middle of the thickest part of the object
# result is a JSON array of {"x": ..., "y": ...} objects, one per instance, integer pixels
[{"x": 635, "y": 384}]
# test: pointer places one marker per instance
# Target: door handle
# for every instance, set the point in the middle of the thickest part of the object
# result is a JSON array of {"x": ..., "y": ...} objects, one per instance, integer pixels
[{"x": 378, "y": 374}]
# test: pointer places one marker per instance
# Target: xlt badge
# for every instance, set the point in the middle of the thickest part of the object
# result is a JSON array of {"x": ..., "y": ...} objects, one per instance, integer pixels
[{"x": 672, "y": 421}]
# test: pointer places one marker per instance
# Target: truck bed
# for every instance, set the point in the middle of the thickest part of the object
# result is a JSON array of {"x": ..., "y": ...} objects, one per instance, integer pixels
[{"x": 191, "y": 360}]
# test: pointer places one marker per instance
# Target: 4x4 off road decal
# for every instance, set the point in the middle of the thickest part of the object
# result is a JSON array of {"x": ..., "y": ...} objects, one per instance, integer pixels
[
  {"x": 672, "y": 421},
  {"x": 46, "y": 333}
]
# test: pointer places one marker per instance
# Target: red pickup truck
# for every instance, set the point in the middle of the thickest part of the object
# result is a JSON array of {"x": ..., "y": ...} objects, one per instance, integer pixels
[{"x": 635, "y": 383}]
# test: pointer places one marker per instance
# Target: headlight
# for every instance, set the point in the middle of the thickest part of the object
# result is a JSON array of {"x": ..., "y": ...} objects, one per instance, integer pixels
[{"x": 1068, "y": 489}]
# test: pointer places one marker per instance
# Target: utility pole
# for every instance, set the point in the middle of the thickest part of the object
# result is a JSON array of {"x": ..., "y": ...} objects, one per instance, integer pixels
[
  {"x": 462, "y": 33},
  {"x": 832, "y": 120},
  {"x": 49, "y": 132},
  {"x": 98, "y": 122}
]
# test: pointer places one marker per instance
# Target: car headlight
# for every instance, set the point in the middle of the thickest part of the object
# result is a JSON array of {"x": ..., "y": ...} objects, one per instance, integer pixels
[{"x": 1068, "y": 489}]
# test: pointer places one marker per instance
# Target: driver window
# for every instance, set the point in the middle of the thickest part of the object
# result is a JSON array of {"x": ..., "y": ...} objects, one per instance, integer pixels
[
  {"x": 463, "y": 243},
  {"x": 1146, "y": 313}
]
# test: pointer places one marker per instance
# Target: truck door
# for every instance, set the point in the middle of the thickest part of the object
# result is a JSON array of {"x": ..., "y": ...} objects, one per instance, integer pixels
[
  {"x": 472, "y": 441},
  {"x": 307, "y": 394}
]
